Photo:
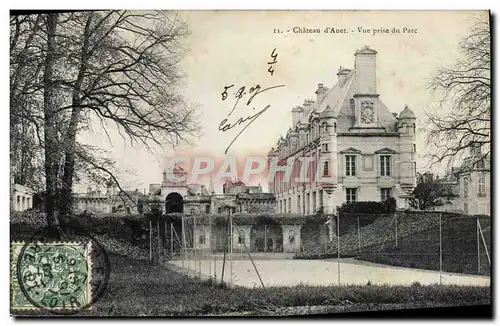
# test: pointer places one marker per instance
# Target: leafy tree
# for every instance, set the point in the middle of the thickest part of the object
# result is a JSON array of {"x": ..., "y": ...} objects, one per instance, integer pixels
[{"x": 430, "y": 193}]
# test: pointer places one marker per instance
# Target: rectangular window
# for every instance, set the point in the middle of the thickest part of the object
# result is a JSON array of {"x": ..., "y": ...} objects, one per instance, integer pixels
[
  {"x": 298, "y": 203},
  {"x": 325, "y": 169},
  {"x": 482, "y": 186},
  {"x": 325, "y": 147},
  {"x": 385, "y": 193},
  {"x": 290, "y": 205},
  {"x": 207, "y": 209},
  {"x": 385, "y": 165},
  {"x": 350, "y": 165},
  {"x": 351, "y": 195},
  {"x": 201, "y": 239}
]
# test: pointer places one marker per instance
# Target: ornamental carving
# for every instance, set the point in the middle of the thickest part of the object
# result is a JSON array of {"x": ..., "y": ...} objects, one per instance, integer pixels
[{"x": 367, "y": 112}]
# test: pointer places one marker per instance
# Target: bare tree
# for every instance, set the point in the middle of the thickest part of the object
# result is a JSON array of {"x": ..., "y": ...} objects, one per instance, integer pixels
[
  {"x": 25, "y": 69},
  {"x": 466, "y": 89},
  {"x": 127, "y": 74},
  {"x": 116, "y": 68}
]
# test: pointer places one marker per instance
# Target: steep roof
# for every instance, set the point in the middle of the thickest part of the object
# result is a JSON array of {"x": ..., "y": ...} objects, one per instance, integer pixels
[{"x": 406, "y": 113}]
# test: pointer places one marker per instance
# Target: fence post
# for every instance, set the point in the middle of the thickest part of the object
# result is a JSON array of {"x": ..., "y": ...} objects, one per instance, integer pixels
[
  {"x": 150, "y": 242},
  {"x": 440, "y": 249},
  {"x": 478, "y": 248},
  {"x": 484, "y": 243},
  {"x": 158, "y": 237},
  {"x": 265, "y": 237},
  {"x": 396, "y": 227},
  {"x": 359, "y": 237},
  {"x": 231, "y": 248},
  {"x": 338, "y": 248},
  {"x": 183, "y": 244},
  {"x": 171, "y": 238},
  {"x": 215, "y": 260},
  {"x": 209, "y": 245}
]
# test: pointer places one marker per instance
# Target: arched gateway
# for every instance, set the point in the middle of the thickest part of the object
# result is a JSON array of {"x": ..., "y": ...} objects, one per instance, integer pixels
[{"x": 174, "y": 203}]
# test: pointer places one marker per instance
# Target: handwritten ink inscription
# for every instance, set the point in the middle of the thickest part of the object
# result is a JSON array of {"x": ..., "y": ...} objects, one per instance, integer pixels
[
  {"x": 274, "y": 56},
  {"x": 251, "y": 92}
]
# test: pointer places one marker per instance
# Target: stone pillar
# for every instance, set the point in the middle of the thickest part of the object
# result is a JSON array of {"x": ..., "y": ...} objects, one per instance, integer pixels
[{"x": 291, "y": 232}]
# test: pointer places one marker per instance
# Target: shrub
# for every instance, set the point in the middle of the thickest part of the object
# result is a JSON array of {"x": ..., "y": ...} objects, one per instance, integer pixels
[{"x": 369, "y": 207}]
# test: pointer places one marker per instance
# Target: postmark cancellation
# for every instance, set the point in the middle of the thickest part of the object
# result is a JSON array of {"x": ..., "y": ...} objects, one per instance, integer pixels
[{"x": 50, "y": 276}]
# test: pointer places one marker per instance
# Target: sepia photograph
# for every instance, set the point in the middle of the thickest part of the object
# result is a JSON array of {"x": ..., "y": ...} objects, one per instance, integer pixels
[{"x": 241, "y": 163}]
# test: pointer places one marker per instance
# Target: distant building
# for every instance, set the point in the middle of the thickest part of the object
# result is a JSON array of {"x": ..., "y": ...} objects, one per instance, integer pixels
[
  {"x": 111, "y": 201},
  {"x": 474, "y": 178},
  {"x": 181, "y": 197},
  {"x": 367, "y": 152},
  {"x": 22, "y": 197}
]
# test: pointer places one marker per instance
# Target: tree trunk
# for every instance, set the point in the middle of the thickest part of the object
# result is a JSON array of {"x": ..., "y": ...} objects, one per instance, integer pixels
[
  {"x": 50, "y": 132},
  {"x": 66, "y": 202}
]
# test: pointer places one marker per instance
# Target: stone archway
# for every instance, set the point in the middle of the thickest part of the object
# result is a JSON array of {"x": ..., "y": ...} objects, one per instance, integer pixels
[
  {"x": 174, "y": 203},
  {"x": 266, "y": 236}
]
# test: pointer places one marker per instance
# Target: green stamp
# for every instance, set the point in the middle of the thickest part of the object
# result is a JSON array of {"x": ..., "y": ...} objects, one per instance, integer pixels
[{"x": 50, "y": 276}]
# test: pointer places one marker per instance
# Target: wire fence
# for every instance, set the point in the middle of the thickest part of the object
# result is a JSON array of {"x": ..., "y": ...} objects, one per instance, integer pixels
[
  {"x": 236, "y": 250},
  {"x": 445, "y": 243}
]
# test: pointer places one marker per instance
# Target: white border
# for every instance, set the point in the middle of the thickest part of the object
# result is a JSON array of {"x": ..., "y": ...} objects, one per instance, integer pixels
[{"x": 184, "y": 4}]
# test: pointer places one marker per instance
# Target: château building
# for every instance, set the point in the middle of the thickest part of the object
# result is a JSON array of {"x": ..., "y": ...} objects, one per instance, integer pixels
[
  {"x": 474, "y": 178},
  {"x": 366, "y": 152}
]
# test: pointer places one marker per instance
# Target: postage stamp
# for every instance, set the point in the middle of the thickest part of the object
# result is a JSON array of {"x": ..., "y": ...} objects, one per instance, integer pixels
[{"x": 50, "y": 276}]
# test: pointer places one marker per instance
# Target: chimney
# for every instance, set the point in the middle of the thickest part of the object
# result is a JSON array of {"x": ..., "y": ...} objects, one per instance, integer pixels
[
  {"x": 342, "y": 75},
  {"x": 365, "y": 65},
  {"x": 320, "y": 93},
  {"x": 296, "y": 113}
]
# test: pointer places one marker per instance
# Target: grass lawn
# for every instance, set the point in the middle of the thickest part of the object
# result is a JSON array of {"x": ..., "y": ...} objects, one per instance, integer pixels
[{"x": 138, "y": 288}]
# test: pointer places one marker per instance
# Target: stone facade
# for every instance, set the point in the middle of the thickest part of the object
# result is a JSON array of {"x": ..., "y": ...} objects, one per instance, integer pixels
[
  {"x": 22, "y": 197},
  {"x": 273, "y": 237},
  {"x": 366, "y": 152},
  {"x": 196, "y": 198},
  {"x": 111, "y": 201},
  {"x": 475, "y": 186}
]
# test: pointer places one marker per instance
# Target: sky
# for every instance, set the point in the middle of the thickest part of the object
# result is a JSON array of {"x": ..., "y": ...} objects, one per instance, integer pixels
[{"x": 234, "y": 48}]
